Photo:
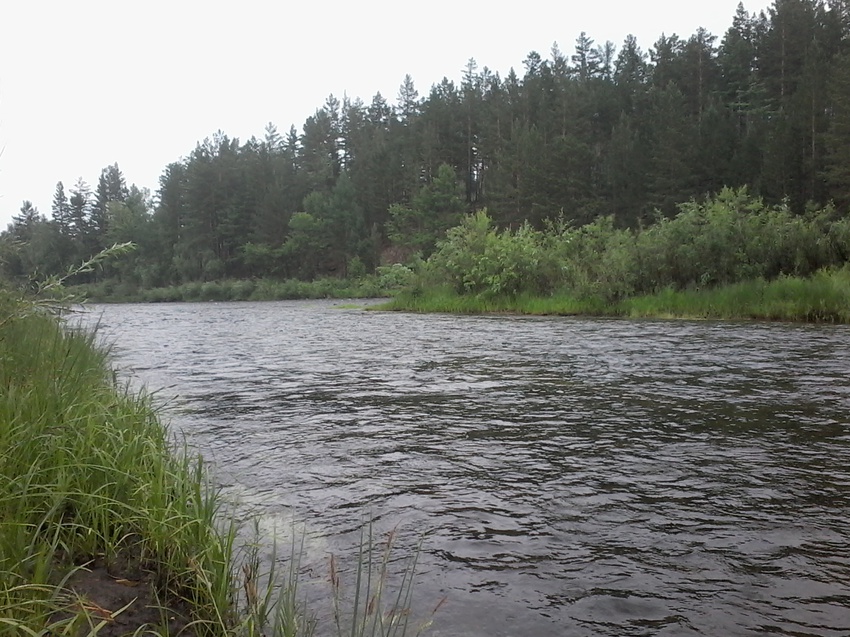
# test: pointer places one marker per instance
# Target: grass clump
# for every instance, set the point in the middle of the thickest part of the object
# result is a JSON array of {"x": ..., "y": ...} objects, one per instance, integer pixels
[
  {"x": 369, "y": 608},
  {"x": 821, "y": 298},
  {"x": 90, "y": 483}
]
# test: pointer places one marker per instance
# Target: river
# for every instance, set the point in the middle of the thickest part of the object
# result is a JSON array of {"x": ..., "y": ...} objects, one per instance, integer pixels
[{"x": 565, "y": 476}]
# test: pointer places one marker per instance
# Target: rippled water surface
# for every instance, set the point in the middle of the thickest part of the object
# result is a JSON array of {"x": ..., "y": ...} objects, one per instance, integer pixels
[{"x": 570, "y": 476}]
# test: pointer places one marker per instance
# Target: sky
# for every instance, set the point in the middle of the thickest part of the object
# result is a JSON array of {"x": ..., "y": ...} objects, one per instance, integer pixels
[{"x": 88, "y": 83}]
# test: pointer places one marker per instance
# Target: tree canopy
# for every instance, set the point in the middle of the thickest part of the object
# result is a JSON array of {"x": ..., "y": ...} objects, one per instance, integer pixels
[{"x": 621, "y": 131}]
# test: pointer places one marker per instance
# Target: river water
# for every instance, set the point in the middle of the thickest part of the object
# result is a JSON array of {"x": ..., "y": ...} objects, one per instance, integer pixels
[{"x": 565, "y": 476}]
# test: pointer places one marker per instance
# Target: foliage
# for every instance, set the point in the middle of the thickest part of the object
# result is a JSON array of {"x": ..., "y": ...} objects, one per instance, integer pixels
[
  {"x": 50, "y": 293},
  {"x": 434, "y": 209},
  {"x": 628, "y": 133},
  {"x": 823, "y": 298},
  {"x": 727, "y": 239},
  {"x": 385, "y": 284},
  {"x": 477, "y": 259}
]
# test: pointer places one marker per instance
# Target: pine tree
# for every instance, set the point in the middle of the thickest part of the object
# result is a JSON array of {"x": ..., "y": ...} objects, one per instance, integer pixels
[
  {"x": 630, "y": 75},
  {"x": 79, "y": 205},
  {"x": 435, "y": 208},
  {"x": 586, "y": 59},
  {"x": 665, "y": 56},
  {"x": 23, "y": 224},
  {"x": 408, "y": 101},
  {"x": 61, "y": 210},
  {"x": 700, "y": 72},
  {"x": 837, "y": 138},
  {"x": 272, "y": 140},
  {"x": 111, "y": 187},
  {"x": 737, "y": 60},
  {"x": 319, "y": 154}
]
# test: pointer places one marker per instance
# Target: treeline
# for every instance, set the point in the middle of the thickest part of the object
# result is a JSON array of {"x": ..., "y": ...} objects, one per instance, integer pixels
[{"x": 602, "y": 131}]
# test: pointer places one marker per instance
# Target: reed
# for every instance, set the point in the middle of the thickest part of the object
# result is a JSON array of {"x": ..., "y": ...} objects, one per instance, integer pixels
[{"x": 369, "y": 608}]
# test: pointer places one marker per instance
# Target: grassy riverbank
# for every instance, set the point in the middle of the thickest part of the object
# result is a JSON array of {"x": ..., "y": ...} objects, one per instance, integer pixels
[
  {"x": 231, "y": 290},
  {"x": 385, "y": 282},
  {"x": 103, "y": 526},
  {"x": 106, "y": 527},
  {"x": 109, "y": 528},
  {"x": 823, "y": 297},
  {"x": 730, "y": 257}
]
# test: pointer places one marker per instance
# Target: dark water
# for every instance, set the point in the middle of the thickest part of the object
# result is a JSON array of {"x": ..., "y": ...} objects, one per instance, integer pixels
[{"x": 570, "y": 477}]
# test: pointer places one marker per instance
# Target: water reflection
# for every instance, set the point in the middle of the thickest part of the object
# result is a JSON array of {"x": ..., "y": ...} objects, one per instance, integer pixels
[{"x": 572, "y": 477}]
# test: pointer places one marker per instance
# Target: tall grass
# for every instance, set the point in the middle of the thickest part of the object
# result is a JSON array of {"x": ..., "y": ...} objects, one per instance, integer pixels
[
  {"x": 369, "y": 608},
  {"x": 87, "y": 472},
  {"x": 89, "y": 475},
  {"x": 237, "y": 290},
  {"x": 824, "y": 298},
  {"x": 821, "y": 298}
]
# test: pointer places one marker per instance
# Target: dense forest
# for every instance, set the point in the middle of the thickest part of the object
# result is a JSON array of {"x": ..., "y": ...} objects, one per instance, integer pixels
[{"x": 603, "y": 131}]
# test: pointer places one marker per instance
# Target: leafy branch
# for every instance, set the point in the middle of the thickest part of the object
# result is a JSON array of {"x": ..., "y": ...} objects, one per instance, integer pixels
[{"x": 48, "y": 296}]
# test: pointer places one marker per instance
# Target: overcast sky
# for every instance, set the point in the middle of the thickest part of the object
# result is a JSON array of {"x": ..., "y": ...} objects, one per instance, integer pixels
[{"x": 84, "y": 83}]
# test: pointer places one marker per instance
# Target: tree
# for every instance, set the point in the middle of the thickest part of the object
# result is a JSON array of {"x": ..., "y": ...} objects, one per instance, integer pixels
[
  {"x": 79, "y": 206},
  {"x": 320, "y": 153},
  {"x": 306, "y": 244},
  {"x": 837, "y": 138},
  {"x": 664, "y": 55},
  {"x": 408, "y": 101},
  {"x": 23, "y": 224},
  {"x": 630, "y": 73},
  {"x": 111, "y": 187},
  {"x": 272, "y": 140},
  {"x": 669, "y": 138},
  {"x": 627, "y": 168},
  {"x": 737, "y": 63},
  {"x": 29, "y": 247},
  {"x": 61, "y": 210},
  {"x": 587, "y": 59},
  {"x": 435, "y": 208},
  {"x": 442, "y": 130},
  {"x": 783, "y": 47},
  {"x": 700, "y": 72},
  {"x": 473, "y": 99}
]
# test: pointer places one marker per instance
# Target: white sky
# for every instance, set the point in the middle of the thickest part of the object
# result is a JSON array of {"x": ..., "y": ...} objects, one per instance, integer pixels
[{"x": 87, "y": 83}]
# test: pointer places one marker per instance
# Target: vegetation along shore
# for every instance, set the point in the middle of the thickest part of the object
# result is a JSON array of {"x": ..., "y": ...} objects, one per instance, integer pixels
[
  {"x": 108, "y": 526},
  {"x": 675, "y": 178},
  {"x": 732, "y": 257}
]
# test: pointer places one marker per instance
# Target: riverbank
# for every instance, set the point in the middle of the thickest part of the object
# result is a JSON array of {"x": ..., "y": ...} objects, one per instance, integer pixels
[
  {"x": 110, "y": 528},
  {"x": 381, "y": 285},
  {"x": 105, "y": 527},
  {"x": 821, "y": 298}
]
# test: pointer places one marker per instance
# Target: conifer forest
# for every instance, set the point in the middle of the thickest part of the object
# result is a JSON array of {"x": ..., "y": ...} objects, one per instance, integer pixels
[{"x": 625, "y": 132}]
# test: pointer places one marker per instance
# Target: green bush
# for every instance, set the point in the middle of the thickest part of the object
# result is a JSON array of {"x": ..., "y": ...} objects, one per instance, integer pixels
[
  {"x": 476, "y": 259},
  {"x": 732, "y": 242}
]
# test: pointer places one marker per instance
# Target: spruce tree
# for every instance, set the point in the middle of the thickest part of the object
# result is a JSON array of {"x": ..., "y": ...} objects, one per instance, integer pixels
[{"x": 61, "y": 210}]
